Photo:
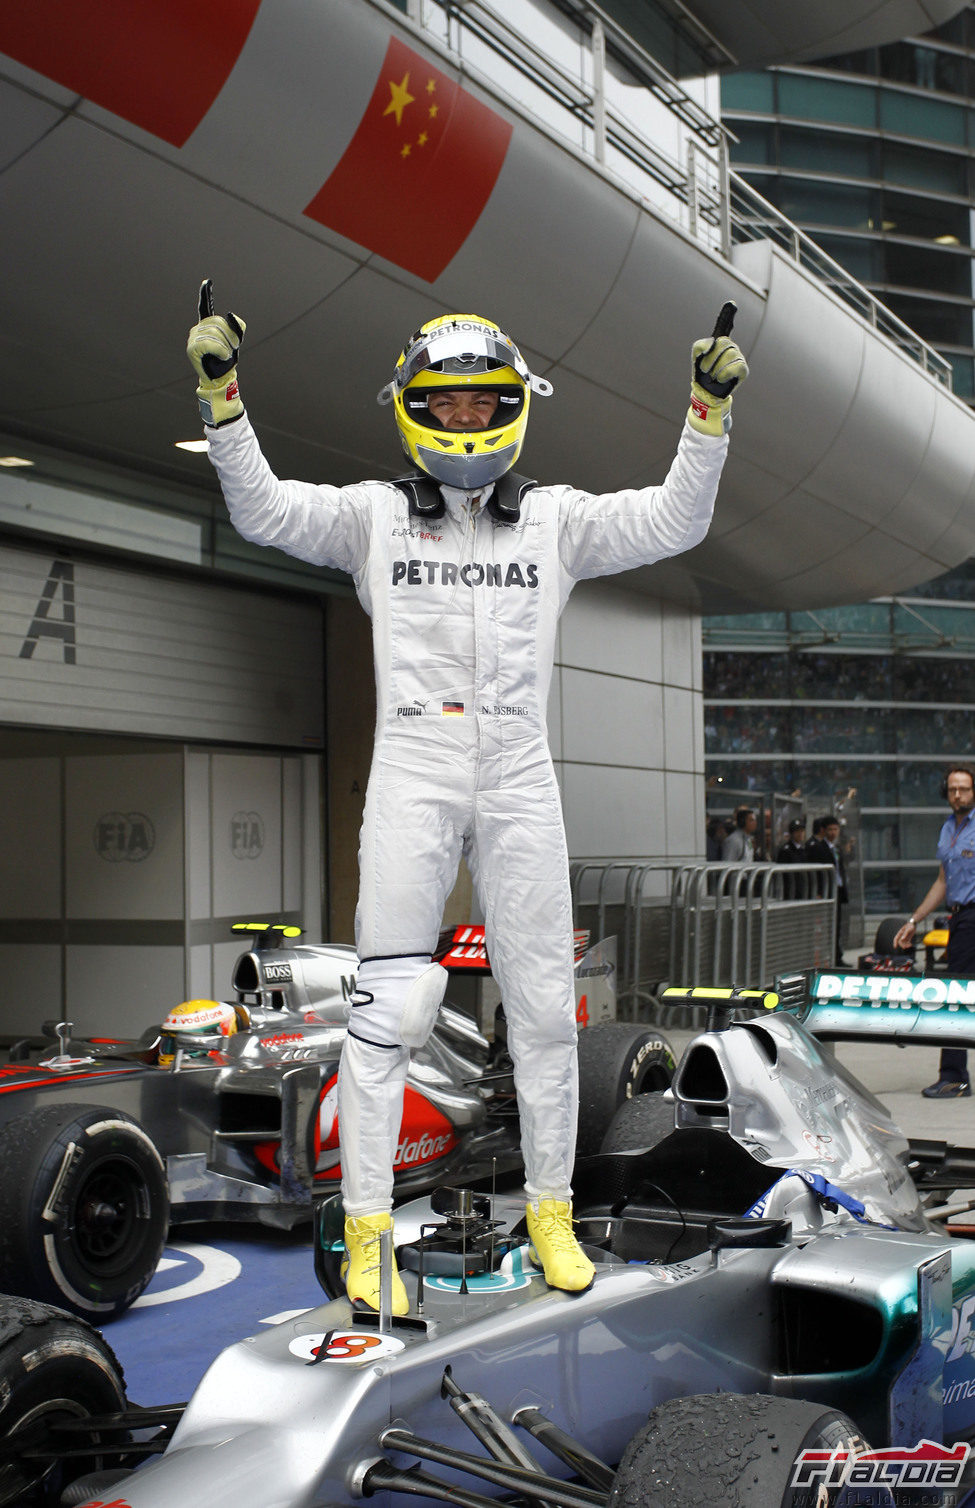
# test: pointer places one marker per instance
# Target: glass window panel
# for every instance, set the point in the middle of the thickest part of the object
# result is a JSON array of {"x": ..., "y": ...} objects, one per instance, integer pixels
[
  {"x": 748, "y": 91},
  {"x": 919, "y": 784},
  {"x": 846, "y": 677},
  {"x": 957, "y": 623},
  {"x": 936, "y": 730},
  {"x": 875, "y": 781},
  {"x": 891, "y": 892},
  {"x": 820, "y": 151},
  {"x": 827, "y": 99},
  {"x": 963, "y": 382},
  {"x": 828, "y": 203},
  {"x": 878, "y": 837},
  {"x": 915, "y": 115},
  {"x": 907, "y": 215},
  {"x": 854, "y": 730},
  {"x": 925, "y": 67},
  {"x": 863, "y": 260},
  {"x": 959, "y": 584},
  {"x": 747, "y": 730},
  {"x": 916, "y": 837},
  {"x": 758, "y": 775},
  {"x": 657, "y": 33},
  {"x": 957, "y": 30},
  {"x": 731, "y": 675},
  {"x": 919, "y": 267},
  {"x": 748, "y": 623},
  {"x": 914, "y": 167},
  {"x": 924, "y": 679},
  {"x": 935, "y": 320},
  {"x": 864, "y": 61},
  {"x": 862, "y": 618},
  {"x": 755, "y": 142}
]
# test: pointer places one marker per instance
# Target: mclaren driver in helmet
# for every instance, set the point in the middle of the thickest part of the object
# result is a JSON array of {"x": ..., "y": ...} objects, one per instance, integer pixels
[{"x": 464, "y": 567}]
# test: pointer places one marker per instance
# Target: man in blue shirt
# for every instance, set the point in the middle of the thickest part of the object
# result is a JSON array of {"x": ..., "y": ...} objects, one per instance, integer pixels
[{"x": 954, "y": 887}]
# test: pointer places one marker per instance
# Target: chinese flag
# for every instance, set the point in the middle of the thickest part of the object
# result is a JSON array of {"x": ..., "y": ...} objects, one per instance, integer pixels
[
  {"x": 160, "y": 66},
  {"x": 419, "y": 169}
]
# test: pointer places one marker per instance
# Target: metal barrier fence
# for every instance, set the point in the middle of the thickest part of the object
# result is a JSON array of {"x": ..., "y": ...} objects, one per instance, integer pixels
[{"x": 705, "y": 924}]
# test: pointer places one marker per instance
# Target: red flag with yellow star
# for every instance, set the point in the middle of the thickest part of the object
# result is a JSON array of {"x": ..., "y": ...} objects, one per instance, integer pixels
[
  {"x": 419, "y": 169},
  {"x": 145, "y": 63}
]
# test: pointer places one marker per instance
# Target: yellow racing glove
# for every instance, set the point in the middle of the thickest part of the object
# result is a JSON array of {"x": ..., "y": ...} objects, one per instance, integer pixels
[
  {"x": 718, "y": 369},
  {"x": 212, "y": 348}
]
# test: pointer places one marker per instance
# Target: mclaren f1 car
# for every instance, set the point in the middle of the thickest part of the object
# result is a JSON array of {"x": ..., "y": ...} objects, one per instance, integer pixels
[{"x": 228, "y": 1110}]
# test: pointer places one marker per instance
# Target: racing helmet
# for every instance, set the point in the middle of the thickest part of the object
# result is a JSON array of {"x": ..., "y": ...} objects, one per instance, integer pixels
[
  {"x": 462, "y": 351},
  {"x": 206, "y": 1019}
]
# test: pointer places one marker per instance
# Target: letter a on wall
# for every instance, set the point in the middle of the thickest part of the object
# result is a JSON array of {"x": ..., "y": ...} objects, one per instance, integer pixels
[{"x": 43, "y": 626}]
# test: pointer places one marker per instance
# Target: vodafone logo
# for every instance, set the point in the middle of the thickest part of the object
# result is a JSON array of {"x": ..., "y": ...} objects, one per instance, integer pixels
[
  {"x": 425, "y": 1133},
  {"x": 412, "y": 1153}
]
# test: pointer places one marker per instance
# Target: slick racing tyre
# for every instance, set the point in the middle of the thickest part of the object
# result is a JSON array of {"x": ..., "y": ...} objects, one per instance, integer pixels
[
  {"x": 84, "y": 1209},
  {"x": 616, "y": 1062},
  {"x": 639, "y": 1124},
  {"x": 736, "y": 1448},
  {"x": 54, "y": 1370}
]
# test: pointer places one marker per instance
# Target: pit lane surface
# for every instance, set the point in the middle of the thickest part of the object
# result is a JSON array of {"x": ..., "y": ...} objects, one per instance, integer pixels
[{"x": 215, "y": 1285}]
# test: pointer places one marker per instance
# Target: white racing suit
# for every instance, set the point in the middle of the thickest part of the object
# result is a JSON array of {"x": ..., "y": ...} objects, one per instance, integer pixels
[{"x": 464, "y": 612}]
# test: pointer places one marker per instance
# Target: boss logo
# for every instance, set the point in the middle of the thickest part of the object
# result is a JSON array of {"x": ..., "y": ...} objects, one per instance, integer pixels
[{"x": 278, "y": 973}]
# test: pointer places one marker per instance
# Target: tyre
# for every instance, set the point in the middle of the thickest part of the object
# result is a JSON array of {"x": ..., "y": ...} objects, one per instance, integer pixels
[
  {"x": 53, "y": 1368},
  {"x": 616, "y": 1062},
  {"x": 723, "y": 1448},
  {"x": 84, "y": 1209},
  {"x": 639, "y": 1124},
  {"x": 886, "y": 932}
]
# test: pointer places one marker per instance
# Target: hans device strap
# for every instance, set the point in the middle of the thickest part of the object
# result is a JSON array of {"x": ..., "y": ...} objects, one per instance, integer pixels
[{"x": 504, "y": 504}]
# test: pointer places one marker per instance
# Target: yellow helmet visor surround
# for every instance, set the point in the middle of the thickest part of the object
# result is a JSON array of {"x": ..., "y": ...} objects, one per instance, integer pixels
[{"x": 453, "y": 352}]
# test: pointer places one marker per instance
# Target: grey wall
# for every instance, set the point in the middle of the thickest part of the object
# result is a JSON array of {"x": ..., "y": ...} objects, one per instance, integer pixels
[
  {"x": 626, "y": 726},
  {"x": 90, "y": 644},
  {"x": 121, "y": 873}
]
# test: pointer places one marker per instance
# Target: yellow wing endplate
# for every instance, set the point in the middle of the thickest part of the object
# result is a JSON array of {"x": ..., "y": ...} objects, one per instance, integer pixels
[
  {"x": 702, "y": 994},
  {"x": 282, "y": 927}
]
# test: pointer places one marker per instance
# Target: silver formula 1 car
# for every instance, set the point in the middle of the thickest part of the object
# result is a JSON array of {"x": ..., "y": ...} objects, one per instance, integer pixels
[
  {"x": 104, "y": 1143},
  {"x": 770, "y": 1295}
]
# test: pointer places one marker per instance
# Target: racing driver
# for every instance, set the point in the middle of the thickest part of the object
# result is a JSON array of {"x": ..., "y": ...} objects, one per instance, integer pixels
[{"x": 464, "y": 568}]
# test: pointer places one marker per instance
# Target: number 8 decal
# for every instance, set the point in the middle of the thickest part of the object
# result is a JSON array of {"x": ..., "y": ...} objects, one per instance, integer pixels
[{"x": 353, "y": 1347}]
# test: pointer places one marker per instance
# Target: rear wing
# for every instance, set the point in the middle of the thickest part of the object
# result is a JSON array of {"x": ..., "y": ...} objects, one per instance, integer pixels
[
  {"x": 462, "y": 949},
  {"x": 932, "y": 1010}
]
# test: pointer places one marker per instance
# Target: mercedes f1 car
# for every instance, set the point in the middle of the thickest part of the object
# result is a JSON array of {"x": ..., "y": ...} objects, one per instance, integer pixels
[
  {"x": 771, "y": 1294},
  {"x": 103, "y": 1144}
]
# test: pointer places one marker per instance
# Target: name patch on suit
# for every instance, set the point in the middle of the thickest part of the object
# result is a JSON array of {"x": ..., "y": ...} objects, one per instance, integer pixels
[{"x": 471, "y": 573}]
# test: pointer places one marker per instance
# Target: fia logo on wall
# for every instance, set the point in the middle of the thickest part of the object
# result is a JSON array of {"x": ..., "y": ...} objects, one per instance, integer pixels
[
  {"x": 124, "y": 837},
  {"x": 246, "y": 835}
]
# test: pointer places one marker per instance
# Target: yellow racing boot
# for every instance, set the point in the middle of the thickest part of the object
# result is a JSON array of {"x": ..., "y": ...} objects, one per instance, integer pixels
[
  {"x": 555, "y": 1249},
  {"x": 360, "y": 1265}
]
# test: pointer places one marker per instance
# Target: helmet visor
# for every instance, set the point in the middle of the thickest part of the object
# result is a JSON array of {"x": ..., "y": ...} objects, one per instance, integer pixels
[
  {"x": 511, "y": 401},
  {"x": 463, "y": 353}
]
